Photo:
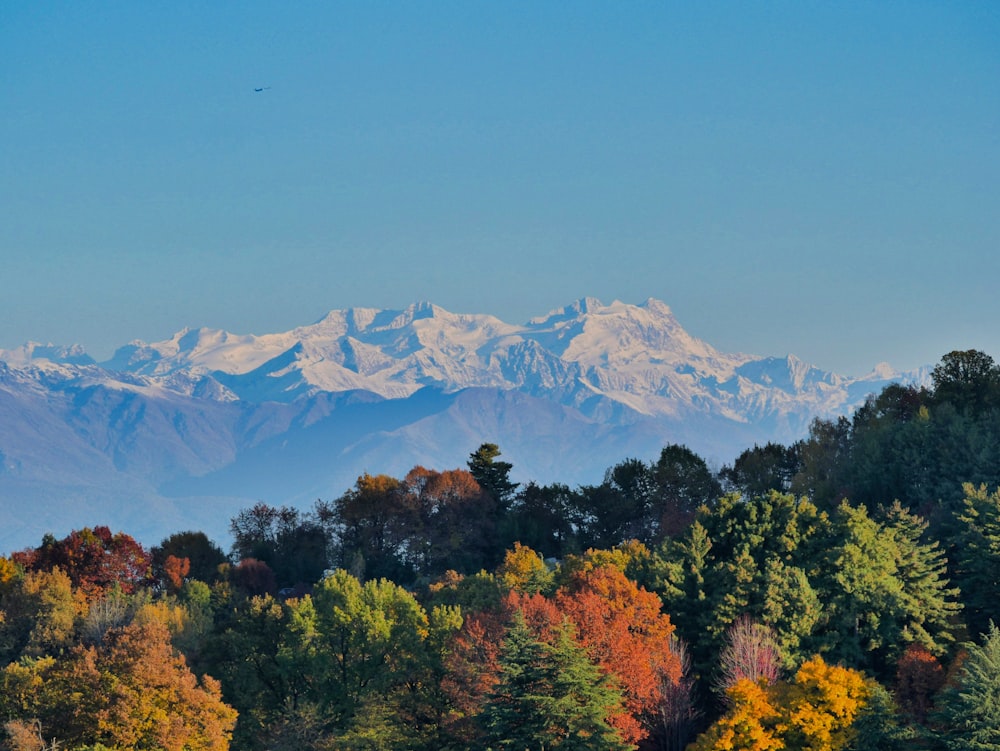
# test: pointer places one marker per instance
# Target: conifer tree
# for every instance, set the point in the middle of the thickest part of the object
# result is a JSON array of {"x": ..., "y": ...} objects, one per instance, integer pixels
[
  {"x": 493, "y": 476},
  {"x": 550, "y": 696},
  {"x": 970, "y": 710},
  {"x": 978, "y": 554}
]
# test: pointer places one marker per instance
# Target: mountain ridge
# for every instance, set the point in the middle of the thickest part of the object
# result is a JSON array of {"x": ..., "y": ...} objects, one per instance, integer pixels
[{"x": 565, "y": 395}]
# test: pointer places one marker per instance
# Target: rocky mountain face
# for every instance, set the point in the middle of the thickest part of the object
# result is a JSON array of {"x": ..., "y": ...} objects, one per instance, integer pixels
[{"x": 181, "y": 434}]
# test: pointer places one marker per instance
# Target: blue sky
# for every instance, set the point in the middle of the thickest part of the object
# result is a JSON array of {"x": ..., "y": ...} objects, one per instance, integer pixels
[{"x": 814, "y": 178}]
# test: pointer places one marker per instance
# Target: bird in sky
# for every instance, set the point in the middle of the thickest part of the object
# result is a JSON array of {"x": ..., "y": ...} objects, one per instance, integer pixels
[{"x": 262, "y": 88}]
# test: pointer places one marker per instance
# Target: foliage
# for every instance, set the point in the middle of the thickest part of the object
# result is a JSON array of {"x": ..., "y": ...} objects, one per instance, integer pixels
[
  {"x": 819, "y": 707},
  {"x": 813, "y": 712},
  {"x": 94, "y": 559},
  {"x": 885, "y": 589},
  {"x": 978, "y": 556},
  {"x": 524, "y": 570},
  {"x": 750, "y": 652},
  {"x": 757, "y": 557},
  {"x": 204, "y": 556},
  {"x": 969, "y": 710},
  {"x": 550, "y": 695},
  {"x": 293, "y": 545},
  {"x": 492, "y": 476},
  {"x": 749, "y": 725},
  {"x": 761, "y": 469},
  {"x": 132, "y": 691},
  {"x": 919, "y": 676}
]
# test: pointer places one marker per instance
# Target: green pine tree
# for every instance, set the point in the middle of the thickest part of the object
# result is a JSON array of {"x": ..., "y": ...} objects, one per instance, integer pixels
[
  {"x": 970, "y": 710},
  {"x": 550, "y": 696}
]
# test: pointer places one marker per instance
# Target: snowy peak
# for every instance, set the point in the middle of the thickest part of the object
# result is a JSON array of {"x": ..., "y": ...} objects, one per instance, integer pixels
[
  {"x": 637, "y": 356},
  {"x": 72, "y": 354}
]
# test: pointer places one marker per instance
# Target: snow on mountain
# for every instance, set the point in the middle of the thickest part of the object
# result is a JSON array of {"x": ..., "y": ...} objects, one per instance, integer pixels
[{"x": 299, "y": 414}]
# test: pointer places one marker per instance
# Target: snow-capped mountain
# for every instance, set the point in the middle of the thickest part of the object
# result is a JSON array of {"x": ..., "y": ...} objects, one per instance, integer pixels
[{"x": 184, "y": 432}]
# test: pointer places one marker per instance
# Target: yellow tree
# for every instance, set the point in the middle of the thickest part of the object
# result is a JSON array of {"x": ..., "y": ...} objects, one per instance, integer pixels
[
  {"x": 750, "y": 724},
  {"x": 813, "y": 712},
  {"x": 131, "y": 691},
  {"x": 820, "y": 705}
]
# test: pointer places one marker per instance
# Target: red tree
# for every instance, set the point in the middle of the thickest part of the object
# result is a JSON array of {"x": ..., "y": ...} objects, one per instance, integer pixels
[
  {"x": 94, "y": 559},
  {"x": 919, "y": 676},
  {"x": 624, "y": 630}
]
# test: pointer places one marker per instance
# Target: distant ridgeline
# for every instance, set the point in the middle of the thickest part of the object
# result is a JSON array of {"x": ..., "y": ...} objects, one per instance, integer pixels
[{"x": 184, "y": 432}]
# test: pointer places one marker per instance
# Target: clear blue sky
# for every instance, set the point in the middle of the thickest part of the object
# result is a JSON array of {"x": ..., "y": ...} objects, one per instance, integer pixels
[{"x": 814, "y": 178}]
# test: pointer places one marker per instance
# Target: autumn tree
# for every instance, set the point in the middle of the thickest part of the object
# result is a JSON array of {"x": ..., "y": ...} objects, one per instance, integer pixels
[
  {"x": 38, "y": 613},
  {"x": 94, "y": 559},
  {"x": 623, "y": 627},
  {"x": 454, "y": 523},
  {"x": 132, "y": 691},
  {"x": 919, "y": 676},
  {"x": 815, "y": 711},
  {"x": 819, "y": 706},
  {"x": 677, "y": 711},
  {"x": 373, "y": 520},
  {"x": 750, "y": 724},
  {"x": 524, "y": 570},
  {"x": 750, "y": 652}
]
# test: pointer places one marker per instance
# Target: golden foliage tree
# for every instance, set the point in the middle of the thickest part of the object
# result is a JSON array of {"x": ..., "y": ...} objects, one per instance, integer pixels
[{"x": 813, "y": 712}]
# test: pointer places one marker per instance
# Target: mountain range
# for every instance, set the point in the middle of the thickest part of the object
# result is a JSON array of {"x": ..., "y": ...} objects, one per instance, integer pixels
[{"x": 181, "y": 434}]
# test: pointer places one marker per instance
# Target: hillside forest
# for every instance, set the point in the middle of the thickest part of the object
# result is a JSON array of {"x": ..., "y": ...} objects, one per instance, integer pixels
[{"x": 841, "y": 592}]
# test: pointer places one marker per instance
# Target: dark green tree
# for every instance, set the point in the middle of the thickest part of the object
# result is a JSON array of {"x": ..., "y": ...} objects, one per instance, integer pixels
[
  {"x": 682, "y": 483},
  {"x": 205, "y": 556},
  {"x": 969, "y": 711},
  {"x": 761, "y": 469},
  {"x": 878, "y": 726},
  {"x": 756, "y": 557},
  {"x": 618, "y": 508},
  {"x": 978, "y": 557},
  {"x": 541, "y": 517},
  {"x": 493, "y": 476},
  {"x": 550, "y": 696},
  {"x": 969, "y": 380},
  {"x": 293, "y": 544},
  {"x": 824, "y": 457}
]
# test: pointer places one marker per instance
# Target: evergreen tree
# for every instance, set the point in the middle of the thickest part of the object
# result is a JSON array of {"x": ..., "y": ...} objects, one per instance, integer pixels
[
  {"x": 970, "y": 710},
  {"x": 550, "y": 696},
  {"x": 978, "y": 556},
  {"x": 878, "y": 727},
  {"x": 682, "y": 483},
  {"x": 763, "y": 468},
  {"x": 493, "y": 476}
]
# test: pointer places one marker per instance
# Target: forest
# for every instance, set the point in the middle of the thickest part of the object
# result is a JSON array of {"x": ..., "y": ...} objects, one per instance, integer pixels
[{"x": 841, "y": 592}]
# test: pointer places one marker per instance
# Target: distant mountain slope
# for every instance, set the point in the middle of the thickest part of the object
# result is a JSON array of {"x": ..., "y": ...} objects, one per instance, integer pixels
[{"x": 180, "y": 433}]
